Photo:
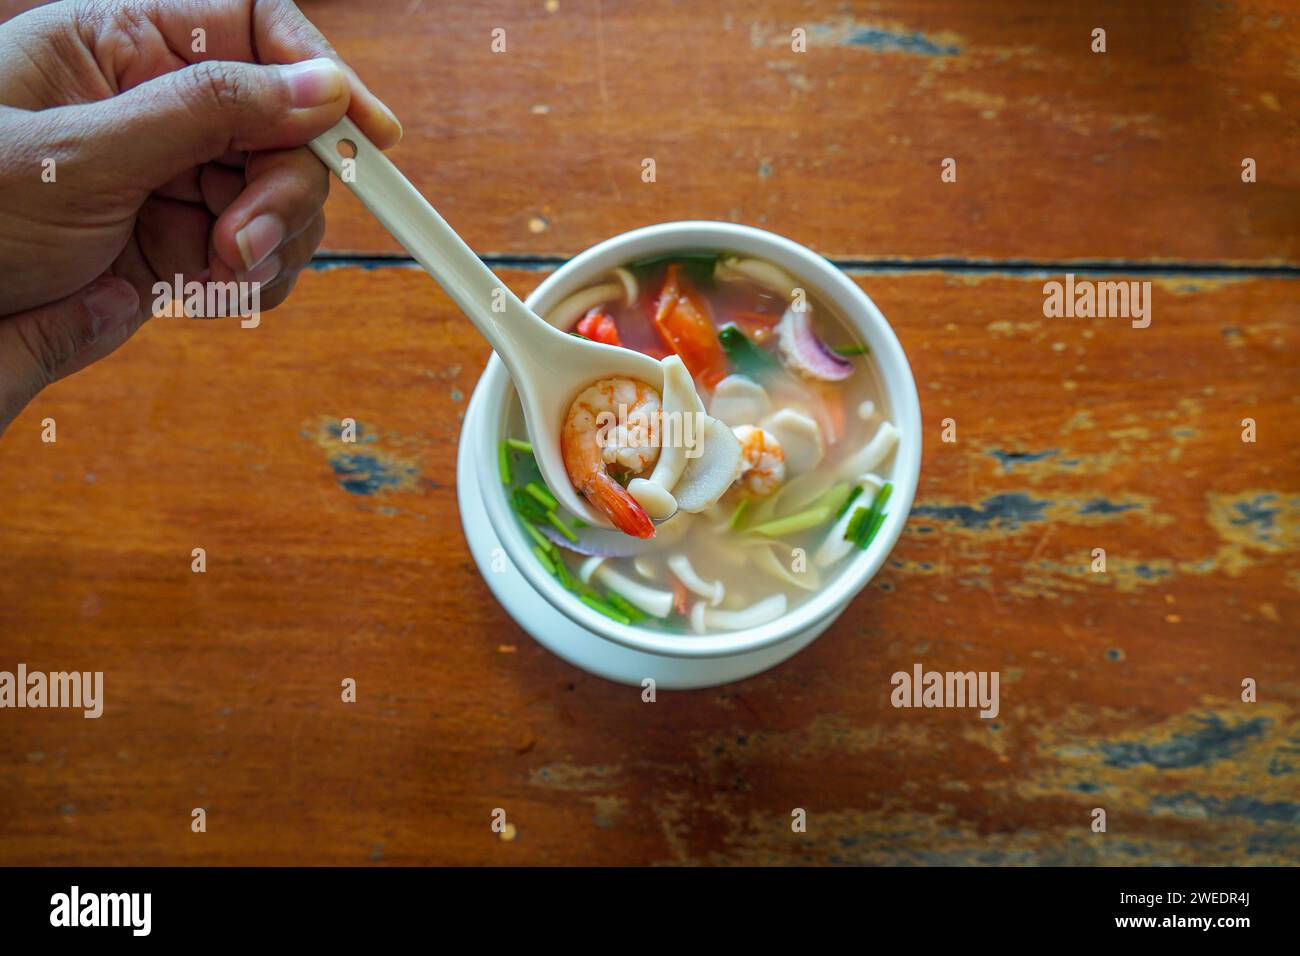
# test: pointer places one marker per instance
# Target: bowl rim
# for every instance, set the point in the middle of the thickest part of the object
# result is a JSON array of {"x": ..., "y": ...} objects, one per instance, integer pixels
[{"x": 828, "y": 282}]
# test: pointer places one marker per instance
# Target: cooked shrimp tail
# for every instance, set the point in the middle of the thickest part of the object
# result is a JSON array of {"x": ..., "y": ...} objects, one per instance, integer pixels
[
  {"x": 614, "y": 501},
  {"x": 591, "y": 443}
]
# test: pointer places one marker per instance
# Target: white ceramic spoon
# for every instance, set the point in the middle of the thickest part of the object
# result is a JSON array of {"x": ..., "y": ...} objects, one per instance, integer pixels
[{"x": 549, "y": 367}]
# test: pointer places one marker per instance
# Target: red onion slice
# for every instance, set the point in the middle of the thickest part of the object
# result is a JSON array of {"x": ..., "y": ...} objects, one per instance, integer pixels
[{"x": 807, "y": 354}]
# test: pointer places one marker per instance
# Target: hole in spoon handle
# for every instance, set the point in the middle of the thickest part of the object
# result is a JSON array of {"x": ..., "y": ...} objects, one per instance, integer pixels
[{"x": 342, "y": 148}]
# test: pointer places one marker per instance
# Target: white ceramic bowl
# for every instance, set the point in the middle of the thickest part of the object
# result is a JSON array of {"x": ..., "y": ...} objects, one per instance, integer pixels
[{"x": 825, "y": 281}]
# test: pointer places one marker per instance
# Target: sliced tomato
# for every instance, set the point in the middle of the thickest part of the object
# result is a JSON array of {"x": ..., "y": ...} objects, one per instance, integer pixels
[
  {"x": 758, "y": 328},
  {"x": 681, "y": 317},
  {"x": 598, "y": 327}
]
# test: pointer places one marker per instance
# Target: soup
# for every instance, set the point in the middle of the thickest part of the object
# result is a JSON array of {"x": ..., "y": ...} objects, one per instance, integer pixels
[{"x": 738, "y": 486}]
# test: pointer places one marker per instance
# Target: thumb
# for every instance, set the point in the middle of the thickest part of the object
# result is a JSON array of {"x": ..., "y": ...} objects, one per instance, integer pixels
[
  {"x": 156, "y": 130},
  {"x": 55, "y": 340}
]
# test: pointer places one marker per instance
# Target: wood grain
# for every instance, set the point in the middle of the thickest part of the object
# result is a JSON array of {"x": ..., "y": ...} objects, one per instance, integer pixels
[
  {"x": 1120, "y": 690},
  {"x": 1062, "y": 154}
]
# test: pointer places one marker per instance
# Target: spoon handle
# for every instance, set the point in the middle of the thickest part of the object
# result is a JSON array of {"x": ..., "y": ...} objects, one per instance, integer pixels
[{"x": 505, "y": 322}]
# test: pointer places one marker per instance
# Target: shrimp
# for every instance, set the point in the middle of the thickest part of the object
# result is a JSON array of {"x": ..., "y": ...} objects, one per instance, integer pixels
[
  {"x": 613, "y": 422},
  {"x": 762, "y": 460}
]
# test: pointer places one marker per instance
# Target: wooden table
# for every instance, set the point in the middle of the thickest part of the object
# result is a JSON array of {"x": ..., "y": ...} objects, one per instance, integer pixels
[{"x": 1119, "y": 690}]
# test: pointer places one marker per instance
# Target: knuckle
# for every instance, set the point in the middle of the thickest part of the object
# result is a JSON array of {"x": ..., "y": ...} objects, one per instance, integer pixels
[
  {"x": 222, "y": 85},
  {"x": 49, "y": 346}
]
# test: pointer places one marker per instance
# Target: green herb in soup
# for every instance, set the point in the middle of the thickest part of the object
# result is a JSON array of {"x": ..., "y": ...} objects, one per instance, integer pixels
[{"x": 737, "y": 486}]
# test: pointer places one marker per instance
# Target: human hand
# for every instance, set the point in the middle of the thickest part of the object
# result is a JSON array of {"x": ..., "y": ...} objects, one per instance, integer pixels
[{"x": 131, "y": 152}]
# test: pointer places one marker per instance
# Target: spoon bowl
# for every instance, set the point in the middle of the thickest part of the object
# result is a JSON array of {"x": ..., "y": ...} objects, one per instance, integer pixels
[{"x": 549, "y": 367}]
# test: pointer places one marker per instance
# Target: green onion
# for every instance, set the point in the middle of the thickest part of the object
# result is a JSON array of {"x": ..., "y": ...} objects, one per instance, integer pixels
[
  {"x": 738, "y": 516},
  {"x": 503, "y": 458},
  {"x": 562, "y": 573},
  {"x": 605, "y": 609},
  {"x": 801, "y": 521},
  {"x": 544, "y": 559},
  {"x": 855, "y": 523},
  {"x": 544, "y": 497},
  {"x": 528, "y": 509},
  {"x": 834, "y": 498},
  {"x": 871, "y": 532},
  {"x": 544, "y": 542},
  {"x": 744, "y": 354},
  {"x": 561, "y": 527},
  {"x": 622, "y": 604},
  {"x": 869, "y": 527},
  {"x": 853, "y": 495},
  {"x": 850, "y": 350},
  {"x": 518, "y": 444}
]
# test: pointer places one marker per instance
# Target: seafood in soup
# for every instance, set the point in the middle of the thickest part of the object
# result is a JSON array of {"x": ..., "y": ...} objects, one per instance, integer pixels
[{"x": 742, "y": 482}]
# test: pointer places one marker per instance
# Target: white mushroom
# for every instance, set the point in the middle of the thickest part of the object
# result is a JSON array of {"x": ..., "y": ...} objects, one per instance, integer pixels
[
  {"x": 623, "y": 287},
  {"x": 870, "y": 455},
  {"x": 774, "y": 278},
  {"x": 651, "y": 600},
  {"x": 711, "y": 591},
  {"x": 835, "y": 547},
  {"x": 630, "y": 290},
  {"x": 800, "y": 439},
  {"x": 705, "y": 618},
  {"x": 739, "y": 400},
  {"x": 564, "y": 315}
]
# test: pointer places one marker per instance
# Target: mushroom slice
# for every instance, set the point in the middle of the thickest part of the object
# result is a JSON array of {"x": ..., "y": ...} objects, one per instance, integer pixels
[
  {"x": 739, "y": 400},
  {"x": 800, "y": 439},
  {"x": 711, "y": 591},
  {"x": 651, "y": 600},
  {"x": 774, "y": 278},
  {"x": 705, "y": 618},
  {"x": 581, "y": 302},
  {"x": 707, "y": 477}
]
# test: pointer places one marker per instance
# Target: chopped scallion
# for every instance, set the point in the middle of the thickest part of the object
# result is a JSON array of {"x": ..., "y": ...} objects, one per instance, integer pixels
[
  {"x": 503, "y": 458},
  {"x": 542, "y": 541},
  {"x": 791, "y": 524},
  {"x": 610, "y": 612},
  {"x": 875, "y": 517},
  {"x": 562, "y": 573},
  {"x": 855, "y": 523},
  {"x": 544, "y": 559},
  {"x": 518, "y": 444},
  {"x": 561, "y": 527},
  {"x": 622, "y": 604},
  {"x": 544, "y": 497},
  {"x": 853, "y": 495}
]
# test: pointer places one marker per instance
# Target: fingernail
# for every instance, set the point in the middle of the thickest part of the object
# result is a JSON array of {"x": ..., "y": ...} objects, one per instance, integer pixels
[
  {"x": 111, "y": 304},
  {"x": 261, "y": 237},
  {"x": 313, "y": 82},
  {"x": 392, "y": 118},
  {"x": 267, "y": 271}
]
